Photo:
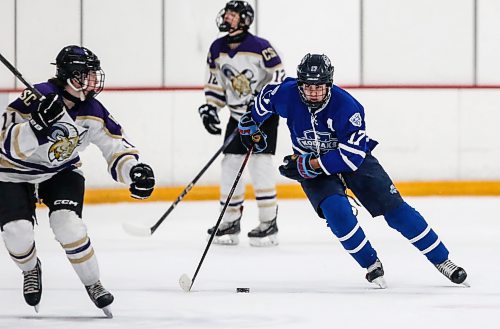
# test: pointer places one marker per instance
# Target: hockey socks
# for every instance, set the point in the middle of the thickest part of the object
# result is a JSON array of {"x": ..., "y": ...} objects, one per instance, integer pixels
[
  {"x": 407, "y": 221},
  {"x": 345, "y": 226}
]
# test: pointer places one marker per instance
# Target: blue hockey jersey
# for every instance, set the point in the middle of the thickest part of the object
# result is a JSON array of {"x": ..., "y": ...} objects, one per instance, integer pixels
[{"x": 335, "y": 132}]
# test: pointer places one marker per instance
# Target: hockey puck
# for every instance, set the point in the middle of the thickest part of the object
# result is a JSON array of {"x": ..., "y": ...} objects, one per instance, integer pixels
[{"x": 242, "y": 289}]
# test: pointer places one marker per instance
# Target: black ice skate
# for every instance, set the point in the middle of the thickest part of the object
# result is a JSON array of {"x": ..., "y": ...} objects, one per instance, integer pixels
[
  {"x": 227, "y": 234},
  {"x": 453, "y": 272},
  {"x": 32, "y": 287},
  {"x": 101, "y": 297},
  {"x": 264, "y": 235},
  {"x": 376, "y": 274}
]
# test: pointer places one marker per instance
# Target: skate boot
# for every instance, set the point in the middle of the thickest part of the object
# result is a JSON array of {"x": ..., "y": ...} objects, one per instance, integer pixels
[
  {"x": 32, "y": 286},
  {"x": 376, "y": 274},
  {"x": 264, "y": 235},
  {"x": 453, "y": 272},
  {"x": 227, "y": 234},
  {"x": 101, "y": 297}
]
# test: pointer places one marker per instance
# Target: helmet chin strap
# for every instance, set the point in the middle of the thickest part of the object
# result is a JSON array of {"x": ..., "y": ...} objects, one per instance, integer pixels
[
  {"x": 237, "y": 38},
  {"x": 78, "y": 90}
]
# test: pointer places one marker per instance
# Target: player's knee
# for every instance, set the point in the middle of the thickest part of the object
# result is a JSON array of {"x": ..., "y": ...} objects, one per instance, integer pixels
[
  {"x": 338, "y": 213},
  {"x": 18, "y": 235},
  {"x": 232, "y": 162},
  {"x": 67, "y": 226},
  {"x": 396, "y": 217}
]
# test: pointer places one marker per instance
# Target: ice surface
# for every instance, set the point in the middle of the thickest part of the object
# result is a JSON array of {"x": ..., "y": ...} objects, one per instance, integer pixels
[{"x": 308, "y": 281}]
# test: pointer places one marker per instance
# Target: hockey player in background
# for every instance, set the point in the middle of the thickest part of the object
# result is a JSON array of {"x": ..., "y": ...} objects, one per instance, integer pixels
[
  {"x": 331, "y": 152},
  {"x": 239, "y": 65},
  {"x": 39, "y": 146}
]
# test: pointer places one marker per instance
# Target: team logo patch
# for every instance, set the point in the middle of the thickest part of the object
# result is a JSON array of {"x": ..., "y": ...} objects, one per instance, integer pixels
[
  {"x": 240, "y": 81},
  {"x": 356, "y": 120},
  {"x": 325, "y": 141},
  {"x": 394, "y": 190},
  {"x": 65, "y": 139}
]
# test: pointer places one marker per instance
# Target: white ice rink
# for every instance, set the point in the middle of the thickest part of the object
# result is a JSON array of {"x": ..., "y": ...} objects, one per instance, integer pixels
[{"x": 308, "y": 281}]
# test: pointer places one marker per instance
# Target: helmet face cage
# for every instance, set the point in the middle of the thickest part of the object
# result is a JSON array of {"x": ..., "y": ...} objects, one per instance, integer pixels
[
  {"x": 81, "y": 70},
  {"x": 245, "y": 11},
  {"x": 314, "y": 70}
]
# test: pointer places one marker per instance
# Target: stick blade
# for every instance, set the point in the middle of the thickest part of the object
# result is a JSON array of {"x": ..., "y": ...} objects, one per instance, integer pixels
[
  {"x": 185, "y": 282},
  {"x": 136, "y": 229}
]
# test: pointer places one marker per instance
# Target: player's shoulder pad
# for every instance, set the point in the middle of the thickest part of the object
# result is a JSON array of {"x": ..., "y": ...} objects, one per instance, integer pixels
[
  {"x": 46, "y": 88},
  {"x": 283, "y": 89},
  {"x": 266, "y": 50},
  {"x": 94, "y": 111},
  {"x": 348, "y": 107},
  {"x": 261, "y": 42},
  {"x": 27, "y": 102},
  {"x": 214, "y": 51}
]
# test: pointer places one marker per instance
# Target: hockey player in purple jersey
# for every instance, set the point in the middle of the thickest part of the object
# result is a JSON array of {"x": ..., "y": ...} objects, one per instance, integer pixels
[
  {"x": 239, "y": 64},
  {"x": 39, "y": 145},
  {"x": 332, "y": 152}
]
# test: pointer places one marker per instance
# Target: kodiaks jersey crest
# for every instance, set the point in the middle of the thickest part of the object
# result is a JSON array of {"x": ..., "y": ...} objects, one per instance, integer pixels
[{"x": 324, "y": 141}]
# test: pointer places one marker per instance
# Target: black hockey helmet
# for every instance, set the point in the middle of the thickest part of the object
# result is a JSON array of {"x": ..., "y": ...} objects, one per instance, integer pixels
[
  {"x": 245, "y": 11},
  {"x": 76, "y": 63},
  {"x": 314, "y": 69}
]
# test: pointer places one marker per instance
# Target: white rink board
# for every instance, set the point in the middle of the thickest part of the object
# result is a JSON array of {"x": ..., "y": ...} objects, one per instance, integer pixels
[
  {"x": 306, "y": 282},
  {"x": 424, "y": 134}
]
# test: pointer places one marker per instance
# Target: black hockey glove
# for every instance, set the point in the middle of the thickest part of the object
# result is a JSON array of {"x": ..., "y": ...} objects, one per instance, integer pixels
[
  {"x": 49, "y": 111},
  {"x": 250, "y": 134},
  {"x": 143, "y": 181},
  {"x": 298, "y": 167},
  {"x": 210, "y": 118}
]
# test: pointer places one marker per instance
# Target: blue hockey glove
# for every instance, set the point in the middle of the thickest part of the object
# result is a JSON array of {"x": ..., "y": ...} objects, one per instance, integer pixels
[
  {"x": 298, "y": 167},
  {"x": 143, "y": 181},
  {"x": 210, "y": 118},
  {"x": 250, "y": 134},
  {"x": 49, "y": 111}
]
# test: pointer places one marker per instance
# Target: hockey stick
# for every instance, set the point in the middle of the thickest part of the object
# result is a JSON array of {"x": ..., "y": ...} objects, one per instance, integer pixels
[
  {"x": 20, "y": 77},
  {"x": 184, "y": 281},
  {"x": 141, "y": 230}
]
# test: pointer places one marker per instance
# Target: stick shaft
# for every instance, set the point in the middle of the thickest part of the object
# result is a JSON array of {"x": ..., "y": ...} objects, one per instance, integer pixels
[
  {"x": 188, "y": 188},
  {"x": 20, "y": 77},
  {"x": 238, "y": 176}
]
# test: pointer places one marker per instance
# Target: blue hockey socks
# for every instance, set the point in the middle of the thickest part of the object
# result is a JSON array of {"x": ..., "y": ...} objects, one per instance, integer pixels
[
  {"x": 345, "y": 226},
  {"x": 413, "y": 226}
]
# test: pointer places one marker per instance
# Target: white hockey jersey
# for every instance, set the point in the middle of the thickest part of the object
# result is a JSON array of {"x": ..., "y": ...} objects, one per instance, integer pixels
[
  {"x": 235, "y": 76},
  {"x": 26, "y": 158}
]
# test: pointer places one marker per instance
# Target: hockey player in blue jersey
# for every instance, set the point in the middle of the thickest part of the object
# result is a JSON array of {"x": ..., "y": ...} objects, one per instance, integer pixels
[{"x": 331, "y": 153}]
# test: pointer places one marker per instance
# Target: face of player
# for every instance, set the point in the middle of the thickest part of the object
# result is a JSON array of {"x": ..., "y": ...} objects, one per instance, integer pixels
[
  {"x": 315, "y": 93},
  {"x": 233, "y": 18},
  {"x": 87, "y": 85}
]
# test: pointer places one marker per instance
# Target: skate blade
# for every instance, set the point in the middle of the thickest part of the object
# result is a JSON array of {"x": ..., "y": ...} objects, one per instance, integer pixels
[
  {"x": 107, "y": 312},
  {"x": 37, "y": 308},
  {"x": 267, "y": 241},
  {"x": 226, "y": 240},
  {"x": 380, "y": 282},
  {"x": 465, "y": 284}
]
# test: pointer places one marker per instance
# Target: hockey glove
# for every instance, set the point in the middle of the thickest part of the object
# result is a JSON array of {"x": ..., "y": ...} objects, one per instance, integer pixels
[
  {"x": 143, "y": 181},
  {"x": 298, "y": 167},
  {"x": 250, "y": 134},
  {"x": 210, "y": 118},
  {"x": 49, "y": 111}
]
